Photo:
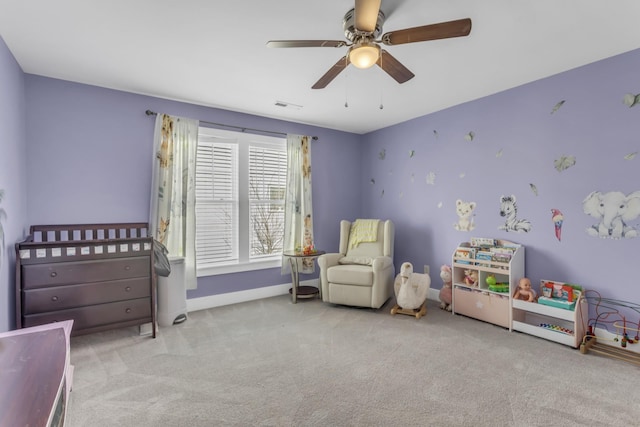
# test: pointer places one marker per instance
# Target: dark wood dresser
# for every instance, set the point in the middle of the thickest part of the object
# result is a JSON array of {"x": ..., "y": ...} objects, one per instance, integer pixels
[
  {"x": 98, "y": 275},
  {"x": 36, "y": 375}
]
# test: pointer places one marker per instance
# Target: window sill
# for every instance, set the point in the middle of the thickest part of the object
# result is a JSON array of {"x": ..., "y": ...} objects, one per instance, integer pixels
[{"x": 239, "y": 268}]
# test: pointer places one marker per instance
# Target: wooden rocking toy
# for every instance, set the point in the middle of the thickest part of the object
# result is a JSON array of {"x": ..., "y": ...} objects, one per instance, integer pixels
[
  {"x": 411, "y": 292},
  {"x": 418, "y": 312}
]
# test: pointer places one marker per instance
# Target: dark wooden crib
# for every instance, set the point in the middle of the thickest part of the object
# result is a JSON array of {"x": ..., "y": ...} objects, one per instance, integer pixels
[{"x": 99, "y": 275}]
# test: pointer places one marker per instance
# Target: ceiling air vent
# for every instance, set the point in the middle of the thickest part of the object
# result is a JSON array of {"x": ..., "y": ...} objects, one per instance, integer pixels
[{"x": 288, "y": 105}]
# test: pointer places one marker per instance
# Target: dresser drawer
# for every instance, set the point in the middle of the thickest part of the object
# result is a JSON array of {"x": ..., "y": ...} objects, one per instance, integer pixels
[
  {"x": 65, "y": 273},
  {"x": 95, "y": 315},
  {"x": 55, "y": 298}
]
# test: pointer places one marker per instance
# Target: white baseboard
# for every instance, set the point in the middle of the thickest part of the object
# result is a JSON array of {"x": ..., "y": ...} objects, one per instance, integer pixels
[
  {"x": 434, "y": 294},
  {"x": 606, "y": 337},
  {"x": 203, "y": 303}
]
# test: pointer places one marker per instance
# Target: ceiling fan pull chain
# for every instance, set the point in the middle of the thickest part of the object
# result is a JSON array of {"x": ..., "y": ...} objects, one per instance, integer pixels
[
  {"x": 346, "y": 89},
  {"x": 381, "y": 83}
]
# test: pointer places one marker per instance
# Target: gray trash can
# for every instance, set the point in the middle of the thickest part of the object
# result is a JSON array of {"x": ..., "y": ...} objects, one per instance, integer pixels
[{"x": 172, "y": 295}]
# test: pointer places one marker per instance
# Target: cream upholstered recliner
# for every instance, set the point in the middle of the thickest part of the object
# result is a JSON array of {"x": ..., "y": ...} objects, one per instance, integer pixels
[{"x": 360, "y": 275}]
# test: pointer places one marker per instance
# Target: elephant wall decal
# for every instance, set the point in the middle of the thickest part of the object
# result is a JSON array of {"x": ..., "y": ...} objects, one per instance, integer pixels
[{"x": 615, "y": 211}]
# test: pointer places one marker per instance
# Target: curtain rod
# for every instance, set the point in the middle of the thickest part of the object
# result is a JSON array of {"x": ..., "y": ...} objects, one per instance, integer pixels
[{"x": 243, "y": 129}]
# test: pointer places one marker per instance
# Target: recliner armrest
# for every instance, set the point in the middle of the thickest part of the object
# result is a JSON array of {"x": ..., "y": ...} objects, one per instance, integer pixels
[
  {"x": 329, "y": 260},
  {"x": 381, "y": 263}
]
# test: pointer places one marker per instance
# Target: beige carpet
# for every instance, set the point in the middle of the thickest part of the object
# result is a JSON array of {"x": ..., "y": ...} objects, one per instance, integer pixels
[{"x": 273, "y": 363}]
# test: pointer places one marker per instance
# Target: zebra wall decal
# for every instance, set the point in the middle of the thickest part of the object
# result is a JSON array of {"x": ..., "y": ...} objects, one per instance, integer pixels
[{"x": 509, "y": 210}]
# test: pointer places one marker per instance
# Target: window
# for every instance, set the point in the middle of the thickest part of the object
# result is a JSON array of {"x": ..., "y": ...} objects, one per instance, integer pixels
[{"x": 240, "y": 188}]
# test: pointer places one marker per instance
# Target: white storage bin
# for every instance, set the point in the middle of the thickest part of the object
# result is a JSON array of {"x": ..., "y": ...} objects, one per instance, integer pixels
[{"x": 172, "y": 295}]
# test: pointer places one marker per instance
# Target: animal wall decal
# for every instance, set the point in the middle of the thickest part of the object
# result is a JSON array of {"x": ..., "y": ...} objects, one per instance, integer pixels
[
  {"x": 557, "y": 218},
  {"x": 631, "y": 99},
  {"x": 509, "y": 210},
  {"x": 557, "y": 106},
  {"x": 564, "y": 162},
  {"x": 465, "y": 215},
  {"x": 469, "y": 137},
  {"x": 614, "y": 211},
  {"x": 431, "y": 178}
]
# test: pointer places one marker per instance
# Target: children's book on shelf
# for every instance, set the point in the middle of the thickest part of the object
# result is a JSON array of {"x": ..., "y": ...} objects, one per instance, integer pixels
[
  {"x": 507, "y": 250},
  {"x": 484, "y": 256},
  {"x": 502, "y": 258},
  {"x": 482, "y": 242},
  {"x": 466, "y": 254},
  {"x": 487, "y": 249},
  {"x": 559, "y": 294}
]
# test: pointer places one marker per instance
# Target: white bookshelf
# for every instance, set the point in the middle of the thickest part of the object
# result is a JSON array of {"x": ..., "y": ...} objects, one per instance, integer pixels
[
  {"x": 480, "y": 302},
  {"x": 571, "y": 325}
]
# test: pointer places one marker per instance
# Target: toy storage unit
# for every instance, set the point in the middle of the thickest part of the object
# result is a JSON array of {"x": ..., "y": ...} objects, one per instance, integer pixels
[
  {"x": 479, "y": 301},
  {"x": 561, "y": 325},
  {"x": 100, "y": 276}
]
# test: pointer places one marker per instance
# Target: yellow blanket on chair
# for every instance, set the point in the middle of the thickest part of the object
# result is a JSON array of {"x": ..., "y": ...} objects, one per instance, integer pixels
[{"x": 363, "y": 230}]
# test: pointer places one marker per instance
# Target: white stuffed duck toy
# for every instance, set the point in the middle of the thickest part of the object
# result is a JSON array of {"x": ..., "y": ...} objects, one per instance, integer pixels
[{"x": 411, "y": 288}]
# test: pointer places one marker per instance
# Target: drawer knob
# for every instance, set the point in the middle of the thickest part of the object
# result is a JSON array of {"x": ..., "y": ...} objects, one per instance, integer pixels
[
  {"x": 54, "y": 298},
  {"x": 53, "y": 274},
  {"x": 127, "y": 267},
  {"x": 128, "y": 310},
  {"x": 128, "y": 289}
]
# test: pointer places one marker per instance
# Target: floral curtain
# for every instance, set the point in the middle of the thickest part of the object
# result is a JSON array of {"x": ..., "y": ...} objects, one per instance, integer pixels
[
  {"x": 298, "y": 214},
  {"x": 172, "y": 213}
]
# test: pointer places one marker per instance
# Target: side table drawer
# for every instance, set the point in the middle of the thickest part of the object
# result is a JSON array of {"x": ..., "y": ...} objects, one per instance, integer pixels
[
  {"x": 63, "y": 297},
  {"x": 95, "y": 315},
  {"x": 64, "y": 273}
]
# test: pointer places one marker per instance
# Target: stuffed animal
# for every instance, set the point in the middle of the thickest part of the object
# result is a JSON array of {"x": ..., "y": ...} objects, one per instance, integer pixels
[
  {"x": 411, "y": 288},
  {"x": 471, "y": 277},
  {"x": 445, "y": 292}
]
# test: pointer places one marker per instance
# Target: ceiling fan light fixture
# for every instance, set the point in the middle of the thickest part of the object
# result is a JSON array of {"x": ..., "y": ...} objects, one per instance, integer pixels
[{"x": 364, "y": 55}]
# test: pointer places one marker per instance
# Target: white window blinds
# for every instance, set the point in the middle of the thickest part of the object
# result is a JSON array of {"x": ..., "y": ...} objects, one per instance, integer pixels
[
  {"x": 216, "y": 203},
  {"x": 240, "y": 189}
]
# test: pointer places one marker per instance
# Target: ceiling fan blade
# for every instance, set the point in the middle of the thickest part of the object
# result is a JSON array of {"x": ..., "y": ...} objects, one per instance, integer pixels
[
  {"x": 332, "y": 73},
  {"x": 394, "y": 68},
  {"x": 443, "y": 30},
  {"x": 306, "y": 43},
  {"x": 366, "y": 14}
]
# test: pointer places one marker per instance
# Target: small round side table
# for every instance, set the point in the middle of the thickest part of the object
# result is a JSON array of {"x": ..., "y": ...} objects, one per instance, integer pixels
[{"x": 296, "y": 290}]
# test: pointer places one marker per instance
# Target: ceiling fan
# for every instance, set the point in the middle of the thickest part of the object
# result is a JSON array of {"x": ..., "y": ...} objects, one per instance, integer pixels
[{"x": 362, "y": 25}]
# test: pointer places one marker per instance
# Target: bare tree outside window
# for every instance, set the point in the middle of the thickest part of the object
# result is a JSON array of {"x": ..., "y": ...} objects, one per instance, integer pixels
[{"x": 267, "y": 220}]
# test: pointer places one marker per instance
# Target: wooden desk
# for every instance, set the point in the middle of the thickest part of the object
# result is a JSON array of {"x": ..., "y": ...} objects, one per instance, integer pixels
[
  {"x": 35, "y": 375},
  {"x": 296, "y": 290}
]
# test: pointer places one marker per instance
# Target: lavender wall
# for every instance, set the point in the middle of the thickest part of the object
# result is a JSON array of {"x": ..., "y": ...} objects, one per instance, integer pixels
[
  {"x": 90, "y": 155},
  {"x": 517, "y": 138},
  {"x": 13, "y": 204}
]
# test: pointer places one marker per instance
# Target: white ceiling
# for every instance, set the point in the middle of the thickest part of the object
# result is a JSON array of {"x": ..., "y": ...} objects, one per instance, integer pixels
[{"x": 213, "y": 53}]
